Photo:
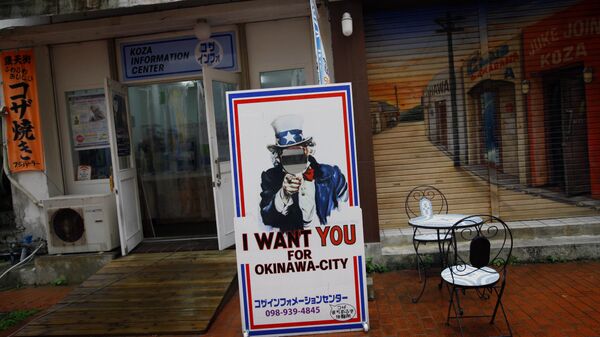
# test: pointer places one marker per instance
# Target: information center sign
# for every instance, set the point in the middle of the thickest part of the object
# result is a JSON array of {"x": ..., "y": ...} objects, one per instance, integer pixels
[
  {"x": 298, "y": 224},
  {"x": 178, "y": 56}
]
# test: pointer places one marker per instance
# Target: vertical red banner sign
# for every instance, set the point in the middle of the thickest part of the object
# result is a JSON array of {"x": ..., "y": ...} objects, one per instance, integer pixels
[{"x": 24, "y": 135}]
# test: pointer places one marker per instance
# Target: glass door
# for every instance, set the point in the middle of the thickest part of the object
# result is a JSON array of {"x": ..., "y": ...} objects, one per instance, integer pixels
[{"x": 171, "y": 142}]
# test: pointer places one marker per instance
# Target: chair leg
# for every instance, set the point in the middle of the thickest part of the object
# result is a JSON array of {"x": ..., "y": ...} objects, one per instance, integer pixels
[
  {"x": 458, "y": 312},
  {"x": 441, "y": 249},
  {"x": 506, "y": 320},
  {"x": 499, "y": 294},
  {"x": 420, "y": 266},
  {"x": 460, "y": 309},
  {"x": 498, "y": 301},
  {"x": 450, "y": 304}
]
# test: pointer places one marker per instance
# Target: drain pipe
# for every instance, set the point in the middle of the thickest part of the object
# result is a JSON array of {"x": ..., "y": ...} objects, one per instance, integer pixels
[
  {"x": 12, "y": 180},
  {"x": 23, "y": 260}
]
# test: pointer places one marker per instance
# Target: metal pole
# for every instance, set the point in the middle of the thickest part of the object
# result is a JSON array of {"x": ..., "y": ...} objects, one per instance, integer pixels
[{"x": 448, "y": 27}]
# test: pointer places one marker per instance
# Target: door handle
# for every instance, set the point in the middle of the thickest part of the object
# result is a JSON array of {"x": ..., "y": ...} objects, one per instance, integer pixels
[{"x": 218, "y": 173}]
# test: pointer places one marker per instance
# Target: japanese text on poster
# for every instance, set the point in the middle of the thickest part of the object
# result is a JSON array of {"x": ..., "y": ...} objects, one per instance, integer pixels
[
  {"x": 298, "y": 225},
  {"x": 89, "y": 125}
]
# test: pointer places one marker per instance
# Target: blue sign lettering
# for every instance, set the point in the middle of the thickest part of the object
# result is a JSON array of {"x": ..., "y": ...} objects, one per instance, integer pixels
[{"x": 180, "y": 56}]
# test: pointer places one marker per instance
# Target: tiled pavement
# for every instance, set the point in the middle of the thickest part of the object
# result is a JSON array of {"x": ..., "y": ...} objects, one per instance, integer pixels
[
  {"x": 561, "y": 299},
  {"x": 39, "y": 298}
]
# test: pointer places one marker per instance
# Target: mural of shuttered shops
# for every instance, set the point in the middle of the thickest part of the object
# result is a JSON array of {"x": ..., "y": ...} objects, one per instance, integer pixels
[{"x": 494, "y": 104}]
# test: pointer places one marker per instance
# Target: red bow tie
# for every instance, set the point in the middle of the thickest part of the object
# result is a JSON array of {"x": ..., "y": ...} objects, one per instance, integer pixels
[{"x": 309, "y": 174}]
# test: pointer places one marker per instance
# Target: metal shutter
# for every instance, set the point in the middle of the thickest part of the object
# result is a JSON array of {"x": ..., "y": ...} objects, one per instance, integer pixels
[{"x": 491, "y": 148}]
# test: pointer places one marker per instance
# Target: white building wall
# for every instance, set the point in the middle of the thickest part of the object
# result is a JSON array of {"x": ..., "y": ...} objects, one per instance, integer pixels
[
  {"x": 27, "y": 213},
  {"x": 279, "y": 45},
  {"x": 78, "y": 66},
  {"x": 54, "y": 176}
]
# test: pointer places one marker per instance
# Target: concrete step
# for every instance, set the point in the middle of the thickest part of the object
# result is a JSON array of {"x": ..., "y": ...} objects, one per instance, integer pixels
[
  {"x": 553, "y": 240},
  {"x": 68, "y": 268}
]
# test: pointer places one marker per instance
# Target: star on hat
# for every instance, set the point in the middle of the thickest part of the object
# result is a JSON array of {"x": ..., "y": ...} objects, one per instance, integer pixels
[{"x": 288, "y": 132}]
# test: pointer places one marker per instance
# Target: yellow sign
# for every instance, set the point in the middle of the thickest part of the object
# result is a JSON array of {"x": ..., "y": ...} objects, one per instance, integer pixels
[{"x": 24, "y": 134}]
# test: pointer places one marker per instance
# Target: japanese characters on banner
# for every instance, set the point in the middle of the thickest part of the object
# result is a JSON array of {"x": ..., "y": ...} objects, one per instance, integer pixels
[
  {"x": 24, "y": 137},
  {"x": 322, "y": 69},
  {"x": 298, "y": 224}
]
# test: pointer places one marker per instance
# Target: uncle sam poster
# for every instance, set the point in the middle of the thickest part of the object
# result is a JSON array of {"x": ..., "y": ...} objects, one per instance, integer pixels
[{"x": 298, "y": 224}]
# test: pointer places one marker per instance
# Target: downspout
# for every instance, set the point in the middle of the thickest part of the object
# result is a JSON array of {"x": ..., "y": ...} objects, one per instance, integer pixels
[{"x": 13, "y": 181}]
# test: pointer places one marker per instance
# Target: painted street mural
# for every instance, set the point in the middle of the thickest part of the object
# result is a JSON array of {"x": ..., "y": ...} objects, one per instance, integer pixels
[{"x": 492, "y": 103}]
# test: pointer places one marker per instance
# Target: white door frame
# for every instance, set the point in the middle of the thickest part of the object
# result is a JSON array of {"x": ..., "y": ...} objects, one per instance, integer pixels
[
  {"x": 124, "y": 172},
  {"x": 221, "y": 170}
]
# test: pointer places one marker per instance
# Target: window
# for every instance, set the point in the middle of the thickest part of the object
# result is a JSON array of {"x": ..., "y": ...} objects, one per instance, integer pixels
[
  {"x": 282, "y": 78},
  {"x": 88, "y": 127}
]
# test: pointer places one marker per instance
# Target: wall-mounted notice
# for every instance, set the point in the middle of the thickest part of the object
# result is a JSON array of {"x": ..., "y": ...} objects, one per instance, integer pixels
[
  {"x": 177, "y": 56},
  {"x": 87, "y": 114},
  {"x": 298, "y": 225}
]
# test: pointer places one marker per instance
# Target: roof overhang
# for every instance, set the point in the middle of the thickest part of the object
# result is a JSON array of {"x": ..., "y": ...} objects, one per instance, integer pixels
[{"x": 179, "y": 19}]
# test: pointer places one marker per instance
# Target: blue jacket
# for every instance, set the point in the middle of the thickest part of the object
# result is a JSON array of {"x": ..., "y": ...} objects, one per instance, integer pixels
[{"x": 330, "y": 187}]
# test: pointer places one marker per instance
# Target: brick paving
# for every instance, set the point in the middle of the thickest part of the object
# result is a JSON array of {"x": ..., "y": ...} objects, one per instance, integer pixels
[
  {"x": 30, "y": 298},
  {"x": 561, "y": 299}
]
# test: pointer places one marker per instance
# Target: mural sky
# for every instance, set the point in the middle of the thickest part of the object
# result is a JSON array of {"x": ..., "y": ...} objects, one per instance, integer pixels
[{"x": 406, "y": 49}]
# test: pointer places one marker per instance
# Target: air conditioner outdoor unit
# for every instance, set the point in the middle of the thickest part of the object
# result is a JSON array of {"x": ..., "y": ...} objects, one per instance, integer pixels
[{"x": 81, "y": 223}]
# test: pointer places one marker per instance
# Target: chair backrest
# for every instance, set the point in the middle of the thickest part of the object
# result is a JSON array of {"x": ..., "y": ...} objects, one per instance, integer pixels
[
  {"x": 412, "y": 204},
  {"x": 484, "y": 242}
]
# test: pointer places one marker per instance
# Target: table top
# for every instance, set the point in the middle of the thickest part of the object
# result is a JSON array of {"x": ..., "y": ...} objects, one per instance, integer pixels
[{"x": 442, "y": 221}]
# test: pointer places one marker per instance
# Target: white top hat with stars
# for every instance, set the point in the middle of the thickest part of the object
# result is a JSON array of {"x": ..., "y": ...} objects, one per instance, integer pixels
[{"x": 288, "y": 132}]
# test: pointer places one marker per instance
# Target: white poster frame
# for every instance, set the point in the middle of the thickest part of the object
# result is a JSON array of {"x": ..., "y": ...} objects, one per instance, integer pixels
[{"x": 252, "y": 128}]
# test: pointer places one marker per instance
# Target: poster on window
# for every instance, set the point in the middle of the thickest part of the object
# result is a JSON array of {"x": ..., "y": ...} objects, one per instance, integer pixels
[
  {"x": 23, "y": 129},
  {"x": 298, "y": 224},
  {"x": 89, "y": 126}
]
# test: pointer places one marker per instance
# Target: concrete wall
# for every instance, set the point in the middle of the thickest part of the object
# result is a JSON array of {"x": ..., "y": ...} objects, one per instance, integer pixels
[
  {"x": 27, "y": 8},
  {"x": 27, "y": 213},
  {"x": 77, "y": 66},
  {"x": 286, "y": 48},
  {"x": 54, "y": 177}
]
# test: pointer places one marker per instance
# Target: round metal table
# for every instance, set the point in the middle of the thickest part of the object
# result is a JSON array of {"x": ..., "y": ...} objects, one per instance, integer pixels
[{"x": 441, "y": 223}]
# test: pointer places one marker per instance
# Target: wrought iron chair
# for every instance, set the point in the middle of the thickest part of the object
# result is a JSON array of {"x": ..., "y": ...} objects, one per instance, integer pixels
[
  {"x": 425, "y": 200},
  {"x": 476, "y": 259}
]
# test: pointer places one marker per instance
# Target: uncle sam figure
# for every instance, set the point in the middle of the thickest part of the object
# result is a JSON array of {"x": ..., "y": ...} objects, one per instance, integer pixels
[{"x": 298, "y": 192}]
